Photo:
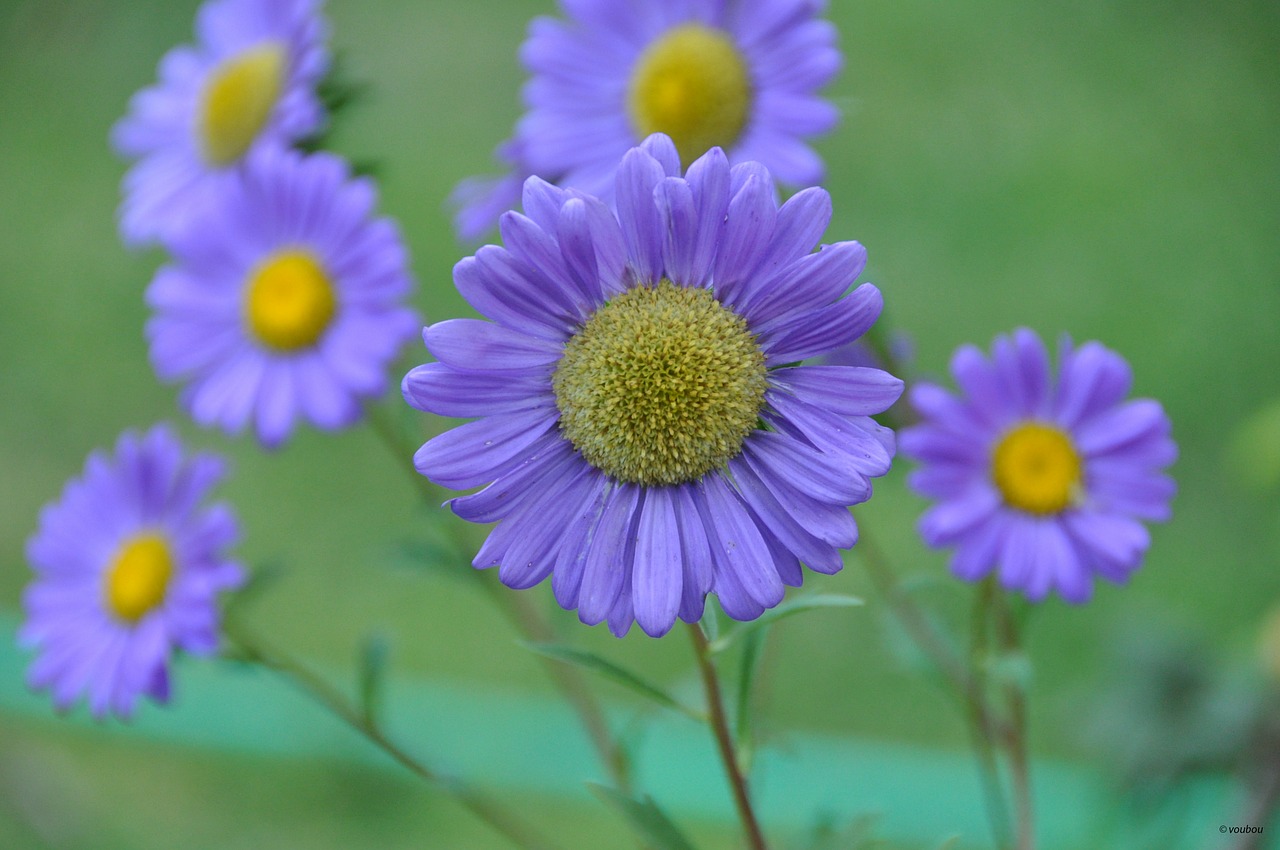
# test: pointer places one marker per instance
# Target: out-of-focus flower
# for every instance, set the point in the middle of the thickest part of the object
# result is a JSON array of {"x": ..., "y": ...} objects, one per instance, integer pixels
[
  {"x": 742, "y": 75},
  {"x": 644, "y": 431},
  {"x": 250, "y": 80},
  {"x": 128, "y": 566},
  {"x": 1044, "y": 479},
  {"x": 287, "y": 304}
]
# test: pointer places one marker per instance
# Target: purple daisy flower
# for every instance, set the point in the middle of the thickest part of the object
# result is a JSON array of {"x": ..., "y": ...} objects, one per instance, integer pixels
[
  {"x": 128, "y": 568},
  {"x": 287, "y": 304},
  {"x": 742, "y": 75},
  {"x": 1043, "y": 479},
  {"x": 249, "y": 81},
  {"x": 645, "y": 432}
]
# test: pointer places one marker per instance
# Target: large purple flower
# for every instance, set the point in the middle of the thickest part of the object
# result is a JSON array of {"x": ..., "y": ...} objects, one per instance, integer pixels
[
  {"x": 128, "y": 568},
  {"x": 645, "y": 429},
  {"x": 1043, "y": 479},
  {"x": 286, "y": 303},
  {"x": 249, "y": 81},
  {"x": 742, "y": 75}
]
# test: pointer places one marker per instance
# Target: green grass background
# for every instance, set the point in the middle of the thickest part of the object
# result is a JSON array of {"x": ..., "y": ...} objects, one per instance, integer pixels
[{"x": 1107, "y": 169}]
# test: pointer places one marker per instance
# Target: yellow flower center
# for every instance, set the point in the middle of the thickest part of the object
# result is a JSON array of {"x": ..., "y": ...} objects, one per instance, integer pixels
[
  {"x": 1036, "y": 468},
  {"x": 138, "y": 578},
  {"x": 693, "y": 85},
  {"x": 238, "y": 99},
  {"x": 289, "y": 301},
  {"x": 660, "y": 386}
]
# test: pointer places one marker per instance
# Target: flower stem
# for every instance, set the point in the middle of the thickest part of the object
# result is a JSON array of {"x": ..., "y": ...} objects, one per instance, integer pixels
[
  {"x": 983, "y": 741},
  {"x": 255, "y": 649},
  {"x": 720, "y": 726},
  {"x": 1016, "y": 741},
  {"x": 925, "y": 634},
  {"x": 525, "y": 618}
]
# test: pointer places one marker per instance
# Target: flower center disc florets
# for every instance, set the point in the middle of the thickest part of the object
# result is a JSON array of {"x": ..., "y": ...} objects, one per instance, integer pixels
[
  {"x": 693, "y": 85},
  {"x": 137, "y": 579},
  {"x": 1036, "y": 468},
  {"x": 289, "y": 301},
  {"x": 238, "y": 100},
  {"x": 661, "y": 385}
]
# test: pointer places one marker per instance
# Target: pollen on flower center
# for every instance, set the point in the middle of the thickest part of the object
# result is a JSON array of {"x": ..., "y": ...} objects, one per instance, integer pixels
[
  {"x": 693, "y": 85},
  {"x": 661, "y": 385},
  {"x": 137, "y": 579},
  {"x": 289, "y": 300},
  {"x": 238, "y": 99},
  {"x": 1036, "y": 468}
]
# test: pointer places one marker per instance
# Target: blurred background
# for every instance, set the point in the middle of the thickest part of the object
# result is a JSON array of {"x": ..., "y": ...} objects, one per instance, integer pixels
[{"x": 1106, "y": 169}]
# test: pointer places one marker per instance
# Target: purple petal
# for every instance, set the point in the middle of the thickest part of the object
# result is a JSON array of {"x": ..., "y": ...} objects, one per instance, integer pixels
[{"x": 657, "y": 582}]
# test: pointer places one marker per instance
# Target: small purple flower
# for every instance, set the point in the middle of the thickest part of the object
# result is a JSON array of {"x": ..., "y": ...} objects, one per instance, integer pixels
[
  {"x": 742, "y": 75},
  {"x": 1044, "y": 480},
  {"x": 128, "y": 567},
  {"x": 287, "y": 304},
  {"x": 645, "y": 432},
  {"x": 249, "y": 81}
]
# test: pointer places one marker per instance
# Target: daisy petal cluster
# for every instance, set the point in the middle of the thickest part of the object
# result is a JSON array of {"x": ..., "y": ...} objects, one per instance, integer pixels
[
  {"x": 288, "y": 305},
  {"x": 1043, "y": 479},
  {"x": 741, "y": 75},
  {"x": 645, "y": 428},
  {"x": 129, "y": 563},
  {"x": 249, "y": 81}
]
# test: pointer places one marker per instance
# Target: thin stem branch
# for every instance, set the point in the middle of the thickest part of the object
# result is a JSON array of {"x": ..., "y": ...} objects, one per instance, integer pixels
[
  {"x": 475, "y": 801},
  {"x": 525, "y": 618},
  {"x": 724, "y": 741},
  {"x": 988, "y": 768},
  {"x": 1016, "y": 742},
  {"x": 926, "y": 636}
]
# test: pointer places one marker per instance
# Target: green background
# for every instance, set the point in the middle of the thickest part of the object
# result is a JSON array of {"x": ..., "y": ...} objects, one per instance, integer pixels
[{"x": 1107, "y": 169}]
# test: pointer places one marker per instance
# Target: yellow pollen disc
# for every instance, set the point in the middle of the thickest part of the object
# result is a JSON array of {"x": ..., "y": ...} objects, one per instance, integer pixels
[
  {"x": 660, "y": 386},
  {"x": 238, "y": 99},
  {"x": 138, "y": 578},
  {"x": 289, "y": 301},
  {"x": 693, "y": 85},
  {"x": 1036, "y": 468}
]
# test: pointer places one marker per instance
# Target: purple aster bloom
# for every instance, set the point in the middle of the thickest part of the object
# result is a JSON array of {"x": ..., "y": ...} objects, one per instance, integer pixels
[
  {"x": 287, "y": 303},
  {"x": 1044, "y": 479},
  {"x": 742, "y": 75},
  {"x": 128, "y": 567},
  {"x": 249, "y": 81},
  {"x": 645, "y": 431}
]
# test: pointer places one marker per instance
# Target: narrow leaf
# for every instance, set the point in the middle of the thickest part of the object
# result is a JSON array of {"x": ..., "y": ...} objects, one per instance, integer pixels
[
  {"x": 744, "y": 740},
  {"x": 646, "y": 818},
  {"x": 786, "y": 609},
  {"x": 373, "y": 664},
  {"x": 609, "y": 670}
]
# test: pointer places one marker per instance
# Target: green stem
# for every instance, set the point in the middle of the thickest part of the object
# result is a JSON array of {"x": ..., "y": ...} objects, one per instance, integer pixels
[
  {"x": 724, "y": 740},
  {"x": 475, "y": 801},
  {"x": 983, "y": 737},
  {"x": 525, "y": 618},
  {"x": 1016, "y": 741}
]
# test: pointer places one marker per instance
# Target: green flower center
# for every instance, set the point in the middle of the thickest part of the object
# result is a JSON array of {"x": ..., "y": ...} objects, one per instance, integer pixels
[
  {"x": 693, "y": 85},
  {"x": 289, "y": 301},
  {"x": 238, "y": 99},
  {"x": 138, "y": 577},
  {"x": 661, "y": 385},
  {"x": 1036, "y": 468}
]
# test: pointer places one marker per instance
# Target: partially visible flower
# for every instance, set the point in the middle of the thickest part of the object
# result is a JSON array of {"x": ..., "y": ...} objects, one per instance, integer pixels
[
  {"x": 250, "y": 80},
  {"x": 742, "y": 75},
  {"x": 289, "y": 302},
  {"x": 1043, "y": 479},
  {"x": 644, "y": 431},
  {"x": 128, "y": 564}
]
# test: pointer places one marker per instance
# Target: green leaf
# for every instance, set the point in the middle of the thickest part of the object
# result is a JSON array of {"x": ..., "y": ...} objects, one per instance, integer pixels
[
  {"x": 646, "y": 818},
  {"x": 373, "y": 665},
  {"x": 612, "y": 671},
  {"x": 743, "y": 739},
  {"x": 260, "y": 579},
  {"x": 786, "y": 609},
  {"x": 1253, "y": 455},
  {"x": 710, "y": 623},
  {"x": 435, "y": 554}
]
